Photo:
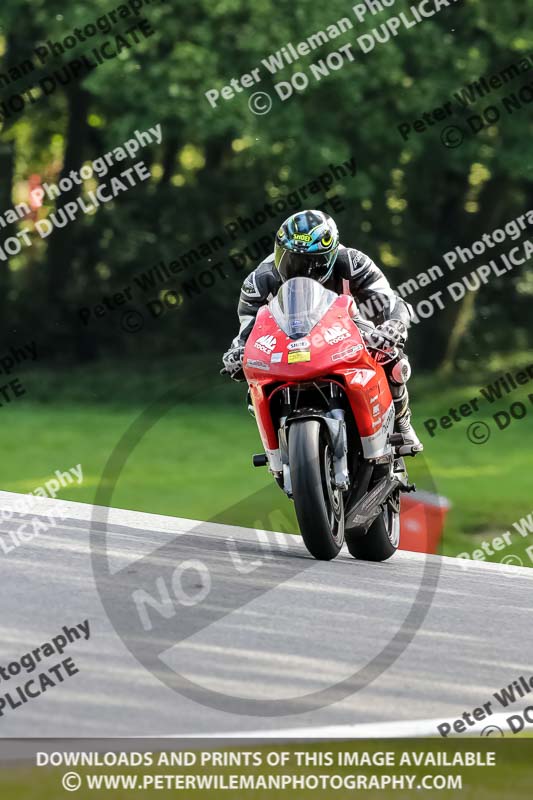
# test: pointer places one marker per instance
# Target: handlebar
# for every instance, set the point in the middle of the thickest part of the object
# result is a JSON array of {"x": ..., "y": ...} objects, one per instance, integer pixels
[{"x": 371, "y": 328}]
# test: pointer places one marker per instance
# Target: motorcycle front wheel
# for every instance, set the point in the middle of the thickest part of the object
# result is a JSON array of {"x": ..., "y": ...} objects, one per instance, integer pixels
[{"x": 318, "y": 503}]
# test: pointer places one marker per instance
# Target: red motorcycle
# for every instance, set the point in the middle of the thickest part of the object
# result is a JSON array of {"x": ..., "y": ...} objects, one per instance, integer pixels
[{"x": 326, "y": 419}]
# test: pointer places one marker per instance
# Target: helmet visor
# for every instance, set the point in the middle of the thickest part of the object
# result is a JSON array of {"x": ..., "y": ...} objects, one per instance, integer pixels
[{"x": 304, "y": 265}]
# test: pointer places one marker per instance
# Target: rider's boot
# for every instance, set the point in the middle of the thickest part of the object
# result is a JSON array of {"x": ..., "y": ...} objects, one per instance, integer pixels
[{"x": 412, "y": 444}]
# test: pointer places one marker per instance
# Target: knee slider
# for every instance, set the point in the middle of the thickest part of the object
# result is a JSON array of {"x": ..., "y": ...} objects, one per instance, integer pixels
[{"x": 401, "y": 371}]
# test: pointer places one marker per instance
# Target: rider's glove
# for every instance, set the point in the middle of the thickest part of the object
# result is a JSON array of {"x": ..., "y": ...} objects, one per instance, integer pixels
[
  {"x": 232, "y": 360},
  {"x": 390, "y": 334}
]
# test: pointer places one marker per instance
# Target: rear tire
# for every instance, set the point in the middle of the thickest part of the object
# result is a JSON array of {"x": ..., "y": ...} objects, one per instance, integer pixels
[
  {"x": 383, "y": 537},
  {"x": 319, "y": 505}
]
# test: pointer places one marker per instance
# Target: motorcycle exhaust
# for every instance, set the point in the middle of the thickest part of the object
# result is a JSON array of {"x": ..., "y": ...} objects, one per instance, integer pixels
[{"x": 370, "y": 506}]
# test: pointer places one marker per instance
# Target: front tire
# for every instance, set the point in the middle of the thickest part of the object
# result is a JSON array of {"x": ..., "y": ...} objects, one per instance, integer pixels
[
  {"x": 383, "y": 537},
  {"x": 319, "y": 505}
]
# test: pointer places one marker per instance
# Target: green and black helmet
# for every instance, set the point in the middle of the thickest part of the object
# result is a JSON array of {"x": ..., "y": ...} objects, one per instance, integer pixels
[{"x": 306, "y": 246}]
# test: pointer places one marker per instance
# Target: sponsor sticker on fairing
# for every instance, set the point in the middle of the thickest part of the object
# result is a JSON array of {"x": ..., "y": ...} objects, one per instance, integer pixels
[
  {"x": 299, "y": 356},
  {"x": 336, "y": 334},
  {"x": 363, "y": 376},
  {"x": 276, "y": 358},
  {"x": 256, "y": 364},
  {"x": 266, "y": 344},
  {"x": 301, "y": 344},
  {"x": 350, "y": 351}
]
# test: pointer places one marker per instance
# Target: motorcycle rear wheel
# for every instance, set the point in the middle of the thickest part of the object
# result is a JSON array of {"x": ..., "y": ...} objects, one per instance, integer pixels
[{"x": 318, "y": 503}]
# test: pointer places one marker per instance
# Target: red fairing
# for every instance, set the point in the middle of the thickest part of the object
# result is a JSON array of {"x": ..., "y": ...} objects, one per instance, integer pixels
[{"x": 333, "y": 350}]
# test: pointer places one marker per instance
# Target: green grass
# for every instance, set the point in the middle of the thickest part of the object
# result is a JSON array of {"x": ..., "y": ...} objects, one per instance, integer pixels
[
  {"x": 194, "y": 461},
  {"x": 191, "y": 463}
]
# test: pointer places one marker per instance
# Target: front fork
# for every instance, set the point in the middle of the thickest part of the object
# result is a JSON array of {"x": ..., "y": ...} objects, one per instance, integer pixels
[{"x": 336, "y": 427}]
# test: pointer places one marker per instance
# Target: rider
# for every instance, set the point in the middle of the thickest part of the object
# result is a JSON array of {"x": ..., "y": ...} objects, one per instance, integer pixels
[{"x": 307, "y": 244}]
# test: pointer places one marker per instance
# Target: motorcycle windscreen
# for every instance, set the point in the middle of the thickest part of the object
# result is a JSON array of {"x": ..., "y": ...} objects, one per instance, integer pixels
[{"x": 299, "y": 305}]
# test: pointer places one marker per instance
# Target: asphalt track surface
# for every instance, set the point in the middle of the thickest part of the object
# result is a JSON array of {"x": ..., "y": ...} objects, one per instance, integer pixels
[{"x": 278, "y": 626}]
